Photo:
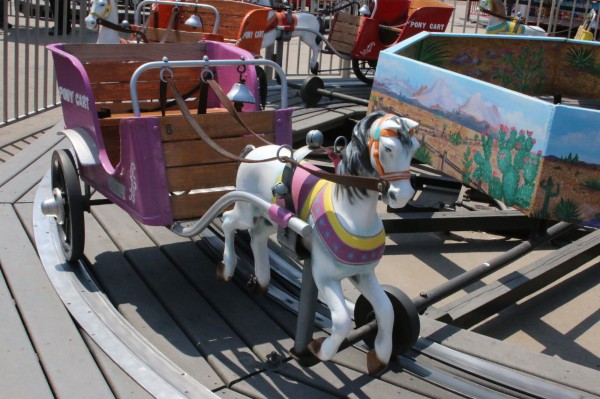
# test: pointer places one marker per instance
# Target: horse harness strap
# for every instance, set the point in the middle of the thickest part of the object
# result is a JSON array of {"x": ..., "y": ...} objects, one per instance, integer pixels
[
  {"x": 362, "y": 182},
  {"x": 138, "y": 34}
]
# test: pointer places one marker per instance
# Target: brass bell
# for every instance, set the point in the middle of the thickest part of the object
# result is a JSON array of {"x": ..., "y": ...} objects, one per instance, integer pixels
[
  {"x": 240, "y": 93},
  {"x": 194, "y": 21}
]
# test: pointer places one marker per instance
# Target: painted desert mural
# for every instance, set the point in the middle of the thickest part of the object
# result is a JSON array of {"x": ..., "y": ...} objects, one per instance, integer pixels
[{"x": 527, "y": 150}]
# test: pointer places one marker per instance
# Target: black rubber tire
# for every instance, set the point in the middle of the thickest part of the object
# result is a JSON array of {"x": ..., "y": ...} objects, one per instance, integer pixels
[
  {"x": 309, "y": 92},
  {"x": 407, "y": 325},
  {"x": 65, "y": 178},
  {"x": 364, "y": 70}
]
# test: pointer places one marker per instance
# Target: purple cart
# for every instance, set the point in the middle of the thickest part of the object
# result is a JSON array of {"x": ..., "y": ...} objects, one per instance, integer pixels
[{"x": 135, "y": 148}]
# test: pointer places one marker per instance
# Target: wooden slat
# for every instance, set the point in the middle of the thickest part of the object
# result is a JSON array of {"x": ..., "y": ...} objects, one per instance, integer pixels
[
  {"x": 204, "y": 176},
  {"x": 23, "y": 159},
  {"x": 121, "y": 71},
  {"x": 20, "y": 372},
  {"x": 204, "y": 328},
  {"x": 67, "y": 363},
  {"x": 185, "y": 153},
  {"x": 132, "y": 297},
  {"x": 193, "y": 206},
  {"x": 22, "y": 183},
  {"x": 121, "y": 384},
  {"x": 344, "y": 31},
  {"x": 176, "y": 128},
  {"x": 146, "y": 53},
  {"x": 178, "y": 36},
  {"x": 145, "y": 90}
]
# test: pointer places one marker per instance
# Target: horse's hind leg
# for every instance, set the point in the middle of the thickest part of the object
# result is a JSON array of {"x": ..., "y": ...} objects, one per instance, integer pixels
[
  {"x": 259, "y": 236},
  {"x": 369, "y": 287},
  {"x": 239, "y": 218}
]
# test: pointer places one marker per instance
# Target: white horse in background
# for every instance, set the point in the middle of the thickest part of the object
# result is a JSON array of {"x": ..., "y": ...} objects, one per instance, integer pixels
[
  {"x": 302, "y": 25},
  {"x": 104, "y": 10},
  {"x": 502, "y": 24},
  {"x": 348, "y": 236}
]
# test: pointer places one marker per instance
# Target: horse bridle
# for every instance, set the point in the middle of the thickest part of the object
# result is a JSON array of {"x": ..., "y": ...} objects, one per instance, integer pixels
[
  {"x": 105, "y": 13},
  {"x": 374, "y": 142}
]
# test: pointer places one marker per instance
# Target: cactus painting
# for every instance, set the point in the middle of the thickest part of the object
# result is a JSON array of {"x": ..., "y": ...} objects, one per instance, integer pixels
[{"x": 511, "y": 176}]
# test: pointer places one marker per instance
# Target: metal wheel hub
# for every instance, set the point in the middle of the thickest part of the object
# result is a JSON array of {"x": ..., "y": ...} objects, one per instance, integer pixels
[{"x": 55, "y": 206}]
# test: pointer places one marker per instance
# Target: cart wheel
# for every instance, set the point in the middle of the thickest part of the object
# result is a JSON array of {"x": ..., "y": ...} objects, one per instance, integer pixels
[
  {"x": 406, "y": 320},
  {"x": 364, "y": 70},
  {"x": 309, "y": 92},
  {"x": 67, "y": 192}
]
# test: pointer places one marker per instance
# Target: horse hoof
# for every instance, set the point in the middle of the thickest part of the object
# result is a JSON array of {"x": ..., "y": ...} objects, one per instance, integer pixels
[
  {"x": 255, "y": 287},
  {"x": 314, "y": 346},
  {"x": 374, "y": 365},
  {"x": 221, "y": 272}
]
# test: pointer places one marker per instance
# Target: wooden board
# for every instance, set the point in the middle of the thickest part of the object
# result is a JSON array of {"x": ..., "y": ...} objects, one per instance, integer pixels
[
  {"x": 344, "y": 31},
  {"x": 72, "y": 372}
]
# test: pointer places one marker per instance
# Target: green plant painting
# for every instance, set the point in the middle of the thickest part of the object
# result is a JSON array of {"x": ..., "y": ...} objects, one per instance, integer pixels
[{"x": 510, "y": 175}]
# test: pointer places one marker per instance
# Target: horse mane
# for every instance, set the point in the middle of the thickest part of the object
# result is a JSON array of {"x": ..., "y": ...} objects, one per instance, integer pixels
[
  {"x": 356, "y": 160},
  {"x": 499, "y": 7}
]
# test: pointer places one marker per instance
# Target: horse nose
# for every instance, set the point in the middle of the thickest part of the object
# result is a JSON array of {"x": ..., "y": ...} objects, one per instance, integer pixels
[{"x": 393, "y": 196}]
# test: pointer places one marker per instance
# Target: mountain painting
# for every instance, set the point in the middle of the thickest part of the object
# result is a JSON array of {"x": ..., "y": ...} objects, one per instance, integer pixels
[{"x": 489, "y": 118}]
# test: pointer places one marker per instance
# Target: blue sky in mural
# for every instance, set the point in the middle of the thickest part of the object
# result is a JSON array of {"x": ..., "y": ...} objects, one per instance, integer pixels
[
  {"x": 576, "y": 131},
  {"x": 515, "y": 109}
]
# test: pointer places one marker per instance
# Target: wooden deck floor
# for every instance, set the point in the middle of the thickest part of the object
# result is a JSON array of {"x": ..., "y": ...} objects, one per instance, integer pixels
[{"x": 220, "y": 334}]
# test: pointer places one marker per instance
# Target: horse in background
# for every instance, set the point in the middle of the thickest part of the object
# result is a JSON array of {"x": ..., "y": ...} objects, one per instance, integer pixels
[
  {"x": 348, "y": 236},
  {"x": 104, "y": 10},
  {"x": 302, "y": 25},
  {"x": 501, "y": 24}
]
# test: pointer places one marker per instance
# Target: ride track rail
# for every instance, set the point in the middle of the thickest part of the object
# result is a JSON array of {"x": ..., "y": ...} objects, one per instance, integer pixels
[{"x": 452, "y": 371}]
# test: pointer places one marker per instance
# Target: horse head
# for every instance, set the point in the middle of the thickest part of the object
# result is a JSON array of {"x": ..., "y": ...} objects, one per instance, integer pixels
[
  {"x": 99, "y": 9},
  {"x": 493, "y": 7},
  {"x": 383, "y": 145}
]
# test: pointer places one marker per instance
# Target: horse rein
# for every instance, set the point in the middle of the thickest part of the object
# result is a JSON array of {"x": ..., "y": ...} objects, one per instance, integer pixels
[
  {"x": 378, "y": 184},
  {"x": 495, "y": 14}
]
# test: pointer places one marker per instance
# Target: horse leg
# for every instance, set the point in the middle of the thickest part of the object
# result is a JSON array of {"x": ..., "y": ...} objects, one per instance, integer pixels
[
  {"x": 369, "y": 287},
  {"x": 311, "y": 40},
  {"x": 239, "y": 218},
  {"x": 333, "y": 295},
  {"x": 259, "y": 236}
]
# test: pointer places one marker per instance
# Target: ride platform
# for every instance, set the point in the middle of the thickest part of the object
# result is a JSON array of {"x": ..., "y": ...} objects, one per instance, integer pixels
[{"x": 152, "y": 298}]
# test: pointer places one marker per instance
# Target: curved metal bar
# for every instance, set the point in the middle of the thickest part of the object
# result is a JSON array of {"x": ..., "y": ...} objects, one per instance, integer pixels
[
  {"x": 201, "y": 63},
  {"x": 138, "y": 10},
  {"x": 129, "y": 349},
  {"x": 296, "y": 224},
  {"x": 327, "y": 43}
]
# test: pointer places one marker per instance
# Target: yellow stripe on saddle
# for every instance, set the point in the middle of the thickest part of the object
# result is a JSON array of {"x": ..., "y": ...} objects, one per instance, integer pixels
[{"x": 358, "y": 242}]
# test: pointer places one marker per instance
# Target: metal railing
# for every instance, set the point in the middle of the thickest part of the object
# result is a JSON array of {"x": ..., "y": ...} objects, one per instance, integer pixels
[{"x": 27, "y": 82}]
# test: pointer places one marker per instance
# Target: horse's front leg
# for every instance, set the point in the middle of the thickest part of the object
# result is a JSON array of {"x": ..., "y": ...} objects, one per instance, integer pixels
[
  {"x": 311, "y": 41},
  {"x": 239, "y": 218},
  {"x": 259, "y": 236},
  {"x": 333, "y": 295},
  {"x": 369, "y": 287}
]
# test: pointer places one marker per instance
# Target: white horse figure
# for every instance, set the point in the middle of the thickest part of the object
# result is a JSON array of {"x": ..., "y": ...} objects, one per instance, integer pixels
[
  {"x": 348, "y": 236},
  {"x": 105, "y": 10},
  {"x": 501, "y": 24},
  {"x": 303, "y": 25}
]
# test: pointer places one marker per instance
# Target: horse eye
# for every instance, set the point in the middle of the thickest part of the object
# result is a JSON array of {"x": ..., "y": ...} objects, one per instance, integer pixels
[{"x": 387, "y": 149}]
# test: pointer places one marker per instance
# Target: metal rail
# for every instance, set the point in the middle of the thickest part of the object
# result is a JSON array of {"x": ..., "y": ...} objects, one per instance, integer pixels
[
  {"x": 108, "y": 328},
  {"x": 165, "y": 66},
  {"x": 137, "y": 18}
]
